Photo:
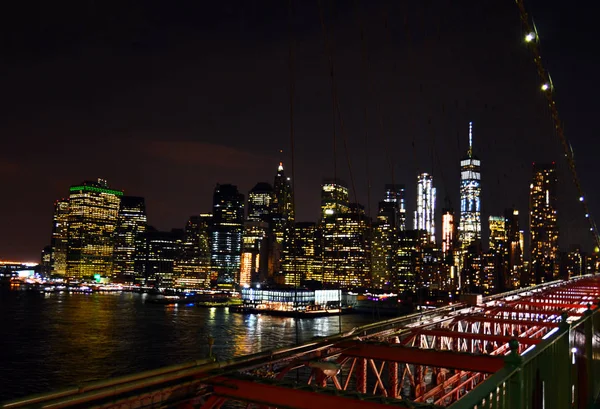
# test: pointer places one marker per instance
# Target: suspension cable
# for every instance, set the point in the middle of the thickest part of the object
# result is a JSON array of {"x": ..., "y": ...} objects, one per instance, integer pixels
[{"x": 532, "y": 40}]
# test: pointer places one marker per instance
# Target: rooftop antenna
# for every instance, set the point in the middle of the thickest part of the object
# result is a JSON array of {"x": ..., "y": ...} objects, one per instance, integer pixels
[{"x": 470, "y": 139}]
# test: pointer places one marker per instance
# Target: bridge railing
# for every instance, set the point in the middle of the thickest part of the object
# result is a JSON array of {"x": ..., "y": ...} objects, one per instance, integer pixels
[{"x": 563, "y": 371}]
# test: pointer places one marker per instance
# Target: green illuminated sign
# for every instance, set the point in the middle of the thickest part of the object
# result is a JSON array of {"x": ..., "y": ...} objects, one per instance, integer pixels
[
  {"x": 96, "y": 189},
  {"x": 97, "y": 277}
]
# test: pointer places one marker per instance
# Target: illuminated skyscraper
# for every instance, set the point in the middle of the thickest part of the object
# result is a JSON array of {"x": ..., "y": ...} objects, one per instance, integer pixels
[
  {"x": 469, "y": 229},
  {"x": 60, "y": 238},
  {"x": 543, "y": 223},
  {"x": 226, "y": 233},
  {"x": 131, "y": 223},
  {"x": 93, "y": 217},
  {"x": 155, "y": 256},
  {"x": 282, "y": 198},
  {"x": 302, "y": 263},
  {"x": 425, "y": 213},
  {"x": 334, "y": 198},
  {"x": 447, "y": 231},
  {"x": 391, "y": 219},
  {"x": 515, "y": 242},
  {"x": 253, "y": 251},
  {"x": 192, "y": 266},
  {"x": 260, "y": 202},
  {"x": 393, "y": 206},
  {"x": 498, "y": 235},
  {"x": 346, "y": 249}
]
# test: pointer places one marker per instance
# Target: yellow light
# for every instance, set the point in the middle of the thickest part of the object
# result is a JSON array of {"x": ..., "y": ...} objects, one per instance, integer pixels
[
  {"x": 545, "y": 87},
  {"x": 529, "y": 37}
]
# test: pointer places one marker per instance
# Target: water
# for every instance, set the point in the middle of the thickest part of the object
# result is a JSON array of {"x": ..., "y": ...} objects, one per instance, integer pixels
[{"x": 50, "y": 341}]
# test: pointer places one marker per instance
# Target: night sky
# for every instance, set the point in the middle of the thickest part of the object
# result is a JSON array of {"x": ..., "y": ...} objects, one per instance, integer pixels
[{"x": 166, "y": 99}]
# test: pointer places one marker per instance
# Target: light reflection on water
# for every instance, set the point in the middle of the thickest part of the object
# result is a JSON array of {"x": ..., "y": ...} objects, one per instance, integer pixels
[{"x": 50, "y": 341}]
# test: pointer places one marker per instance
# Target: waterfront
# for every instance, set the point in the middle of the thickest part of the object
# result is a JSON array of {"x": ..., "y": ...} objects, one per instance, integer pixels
[{"x": 54, "y": 340}]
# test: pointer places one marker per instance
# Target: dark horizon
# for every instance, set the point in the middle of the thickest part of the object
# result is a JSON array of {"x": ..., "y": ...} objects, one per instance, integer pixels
[{"x": 165, "y": 102}]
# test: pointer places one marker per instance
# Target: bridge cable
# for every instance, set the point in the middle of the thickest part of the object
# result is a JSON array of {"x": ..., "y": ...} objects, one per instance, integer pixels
[{"x": 532, "y": 40}]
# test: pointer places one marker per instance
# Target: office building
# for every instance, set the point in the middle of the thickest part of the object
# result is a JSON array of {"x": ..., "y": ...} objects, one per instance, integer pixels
[
  {"x": 92, "y": 220},
  {"x": 448, "y": 228},
  {"x": 155, "y": 256},
  {"x": 131, "y": 223},
  {"x": 393, "y": 206},
  {"x": 346, "y": 249},
  {"x": 469, "y": 228},
  {"x": 254, "y": 251},
  {"x": 515, "y": 246},
  {"x": 543, "y": 225},
  {"x": 302, "y": 262},
  {"x": 425, "y": 213},
  {"x": 334, "y": 199},
  {"x": 192, "y": 267},
  {"x": 260, "y": 202},
  {"x": 226, "y": 234},
  {"x": 60, "y": 238}
]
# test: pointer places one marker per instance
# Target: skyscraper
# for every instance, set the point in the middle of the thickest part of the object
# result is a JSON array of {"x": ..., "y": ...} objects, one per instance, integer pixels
[
  {"x": 469, "y": 229},
  {"x": 282, "y": 198},
  {"x": 391, "y": 219},
  {"x": 226, "y": 234},
  {"x": 498, "y": 236},
  {"x": 60, "y": 238},
  {"x": 156, "y": 254},
  {"x": 260, "y": 202},
  {"x": 447, "y": 231},
  {"x": 543, "y": 223},
  {"x": 515, "y": 242},
  {"x": 254, "y": 245},
  {"x": 334, "y": 198},
  {"x": 393, "y": 206},
  {"x": 131, "y": 223},
  {"x": 303, "y": 262},
  {"x": 93, "y": 216},
  {"x": 425, "y": 213},
  {"x": 192, "y": 267},
  {"x": 346, "y": 249}
]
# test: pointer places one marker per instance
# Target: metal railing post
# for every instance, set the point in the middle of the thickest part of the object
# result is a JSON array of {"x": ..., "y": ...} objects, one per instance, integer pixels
[
  {"x": 588, "y": 328},
  {"x": 514, "y": 385}
]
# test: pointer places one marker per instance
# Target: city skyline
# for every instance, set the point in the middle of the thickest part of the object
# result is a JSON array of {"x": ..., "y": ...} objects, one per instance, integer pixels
[{"x": 168, "y": 128}]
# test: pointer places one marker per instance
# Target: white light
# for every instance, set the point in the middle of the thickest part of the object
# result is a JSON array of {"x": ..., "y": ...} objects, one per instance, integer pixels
[
  {"x": 530, "y": 37},
  {"x": 548, "y": 335},
  {"x": 587, "y": 215},
  {"x": 257, "y": 285},
  {"x": 581, "y": 198},
  {"x": 528, "y": 349},
  {"x": 545, "y": 87},
  {"x": 573, "y": 350}
]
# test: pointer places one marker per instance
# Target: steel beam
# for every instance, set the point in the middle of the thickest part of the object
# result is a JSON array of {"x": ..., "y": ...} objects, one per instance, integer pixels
[
  {"x": 426, "y": 357},
  {"x": 479, "y": 337},
  {"x": 271, "y": 394},
  {"x": 480, "y": 318}
]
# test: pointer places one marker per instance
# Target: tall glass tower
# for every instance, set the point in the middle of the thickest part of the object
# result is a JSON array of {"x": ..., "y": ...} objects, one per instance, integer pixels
[
  {"x": 226, "y": 234},
  {"x": 469, "y": 228},
  {"x": 425, "y": 213},
  {"x": 543, "y": 225}
]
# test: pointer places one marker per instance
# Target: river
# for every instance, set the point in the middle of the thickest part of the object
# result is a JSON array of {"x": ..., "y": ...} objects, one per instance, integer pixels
[{"x": 51, "y": 341}]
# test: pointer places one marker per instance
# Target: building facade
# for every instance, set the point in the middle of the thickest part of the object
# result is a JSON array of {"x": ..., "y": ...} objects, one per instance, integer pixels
[
  {"x": 469, "y": 229},
  {"x": 192, "y": 267},
  {"x": 131, "y": 223},
  {"x": 60, "y": 238},
  {"x": 543, "y": 225},
  {"x": 260, "y": 202},
  {"x": 334, "y": 198},
  {"x": 425, "y": 213},
  {"x": 92, "y": 220},
  {"x": 226, "y": 234}
]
